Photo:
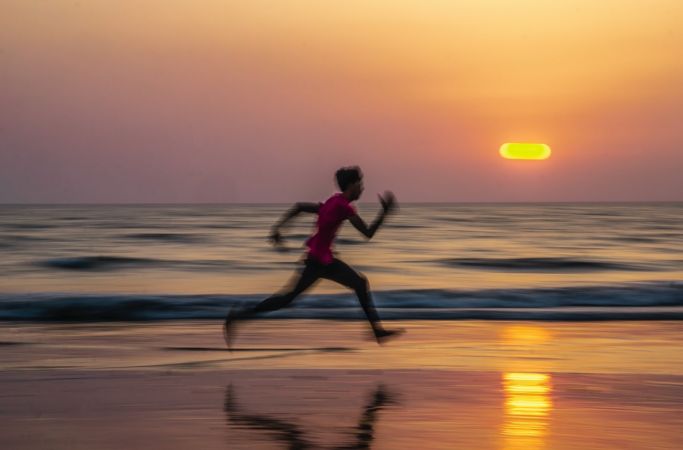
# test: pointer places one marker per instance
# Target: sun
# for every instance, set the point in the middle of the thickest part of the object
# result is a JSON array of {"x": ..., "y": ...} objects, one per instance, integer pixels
[{"x": 528, "y": 151}]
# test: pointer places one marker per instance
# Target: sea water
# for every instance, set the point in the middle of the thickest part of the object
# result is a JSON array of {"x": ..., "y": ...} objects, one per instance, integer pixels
[{"x": 429, "y": 261}]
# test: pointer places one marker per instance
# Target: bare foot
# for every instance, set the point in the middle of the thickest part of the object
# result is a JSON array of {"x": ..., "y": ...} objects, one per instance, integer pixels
[{"x": 384, "y": 335}]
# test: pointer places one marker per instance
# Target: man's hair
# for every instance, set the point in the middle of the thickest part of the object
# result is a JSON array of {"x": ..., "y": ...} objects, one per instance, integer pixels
[{"x": 347, "y": 176}]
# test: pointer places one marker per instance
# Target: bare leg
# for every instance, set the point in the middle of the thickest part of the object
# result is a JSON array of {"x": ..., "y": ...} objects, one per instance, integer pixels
[
  {"x": 306, "y": 278},
  {"x": 343, "y": 274},
  {"x": 309, "y": 275}
]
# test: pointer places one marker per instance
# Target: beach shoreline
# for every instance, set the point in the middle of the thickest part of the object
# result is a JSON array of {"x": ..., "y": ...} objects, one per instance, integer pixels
[{"x": 464, "y": 384}]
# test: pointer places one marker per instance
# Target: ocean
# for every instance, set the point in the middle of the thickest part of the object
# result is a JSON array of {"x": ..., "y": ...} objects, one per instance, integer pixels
[{"x": 429, "y": 261}]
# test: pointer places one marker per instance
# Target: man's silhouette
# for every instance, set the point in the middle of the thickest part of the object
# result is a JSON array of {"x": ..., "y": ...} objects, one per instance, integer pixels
[{"x": 319, "y": 261}]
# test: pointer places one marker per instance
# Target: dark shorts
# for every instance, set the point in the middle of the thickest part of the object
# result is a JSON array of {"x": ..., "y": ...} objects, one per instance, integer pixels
[{"x": 337, "y": 271}]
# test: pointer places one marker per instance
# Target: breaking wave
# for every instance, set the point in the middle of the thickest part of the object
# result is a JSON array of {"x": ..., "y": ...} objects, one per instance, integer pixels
[{"x": 639, "y": 301}]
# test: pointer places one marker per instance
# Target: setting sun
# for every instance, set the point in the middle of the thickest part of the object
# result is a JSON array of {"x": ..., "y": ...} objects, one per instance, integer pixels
[{"x": 517, "y": 150}]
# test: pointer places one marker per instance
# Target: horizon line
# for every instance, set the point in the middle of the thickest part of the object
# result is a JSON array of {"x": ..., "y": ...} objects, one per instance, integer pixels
[{"x": 522, "y": 202}]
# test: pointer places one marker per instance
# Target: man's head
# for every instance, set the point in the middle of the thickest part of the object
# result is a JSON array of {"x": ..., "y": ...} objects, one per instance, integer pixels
[{"x": 350, "y": 181}]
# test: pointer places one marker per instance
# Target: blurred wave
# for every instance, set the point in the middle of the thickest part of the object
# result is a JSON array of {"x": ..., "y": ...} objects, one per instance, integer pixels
[
  {"x": 110, "y": 263},
  {"x": 540, "y": 264},
  {"x": 638, "y": 302}
]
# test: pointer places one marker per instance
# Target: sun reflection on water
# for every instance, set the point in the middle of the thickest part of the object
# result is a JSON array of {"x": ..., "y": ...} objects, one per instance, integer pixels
[{"x": 528, "y": 405}]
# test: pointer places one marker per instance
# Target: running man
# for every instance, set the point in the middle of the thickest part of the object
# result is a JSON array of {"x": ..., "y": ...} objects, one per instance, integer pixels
[{"x": 320, "y": 262}]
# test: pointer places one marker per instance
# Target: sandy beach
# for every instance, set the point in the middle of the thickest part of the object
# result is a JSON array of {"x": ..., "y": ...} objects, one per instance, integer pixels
[{"x": 322, "y": 384}]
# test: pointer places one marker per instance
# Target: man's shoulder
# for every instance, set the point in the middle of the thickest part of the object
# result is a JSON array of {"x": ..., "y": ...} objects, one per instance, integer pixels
[
  {"x": 338, "y": 203},
  {"x": 335, "y": 198}
]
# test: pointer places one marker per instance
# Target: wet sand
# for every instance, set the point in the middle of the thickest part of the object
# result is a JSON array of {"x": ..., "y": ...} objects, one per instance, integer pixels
[{"x": 318, "y": 384}]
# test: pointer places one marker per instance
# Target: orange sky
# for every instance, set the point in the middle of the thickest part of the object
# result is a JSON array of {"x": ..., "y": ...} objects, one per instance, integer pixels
[{"x": 215, "y": 101}]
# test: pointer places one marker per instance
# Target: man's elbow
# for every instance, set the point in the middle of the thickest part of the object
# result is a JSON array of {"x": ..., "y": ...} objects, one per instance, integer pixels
[
  {"x": 366, "y": 232},
  {"x": 307, "y": 207},
  {"x": 298, "y": 207}
]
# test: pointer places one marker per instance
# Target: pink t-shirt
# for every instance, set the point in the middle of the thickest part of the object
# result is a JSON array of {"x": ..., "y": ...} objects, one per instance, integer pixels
[{"x": 331, "y": 214}]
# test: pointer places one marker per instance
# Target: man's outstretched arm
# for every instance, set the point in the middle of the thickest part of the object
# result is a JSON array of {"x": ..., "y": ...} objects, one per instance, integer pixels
[
  {"x": 289, "y": 214},
  {"x": 388, "y": 204}
]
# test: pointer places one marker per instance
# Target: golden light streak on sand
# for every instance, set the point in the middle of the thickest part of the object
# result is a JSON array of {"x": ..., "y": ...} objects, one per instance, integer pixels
[
  {"x": 525, "y": 334},
  {"x": 528, "y": 405}
]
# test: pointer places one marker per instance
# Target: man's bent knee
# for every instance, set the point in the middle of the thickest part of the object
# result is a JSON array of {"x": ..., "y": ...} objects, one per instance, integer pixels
[
  {"x": 361, "y": 284},
  {"x": 275, "y": 303}
]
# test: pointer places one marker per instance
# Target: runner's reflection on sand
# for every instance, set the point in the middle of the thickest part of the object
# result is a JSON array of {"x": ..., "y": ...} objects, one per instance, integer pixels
[{"x": 294, "y": 436}]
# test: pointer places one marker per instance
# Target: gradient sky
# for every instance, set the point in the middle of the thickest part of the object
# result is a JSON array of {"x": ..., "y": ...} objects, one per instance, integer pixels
[{"x": 260, "y": 101}]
